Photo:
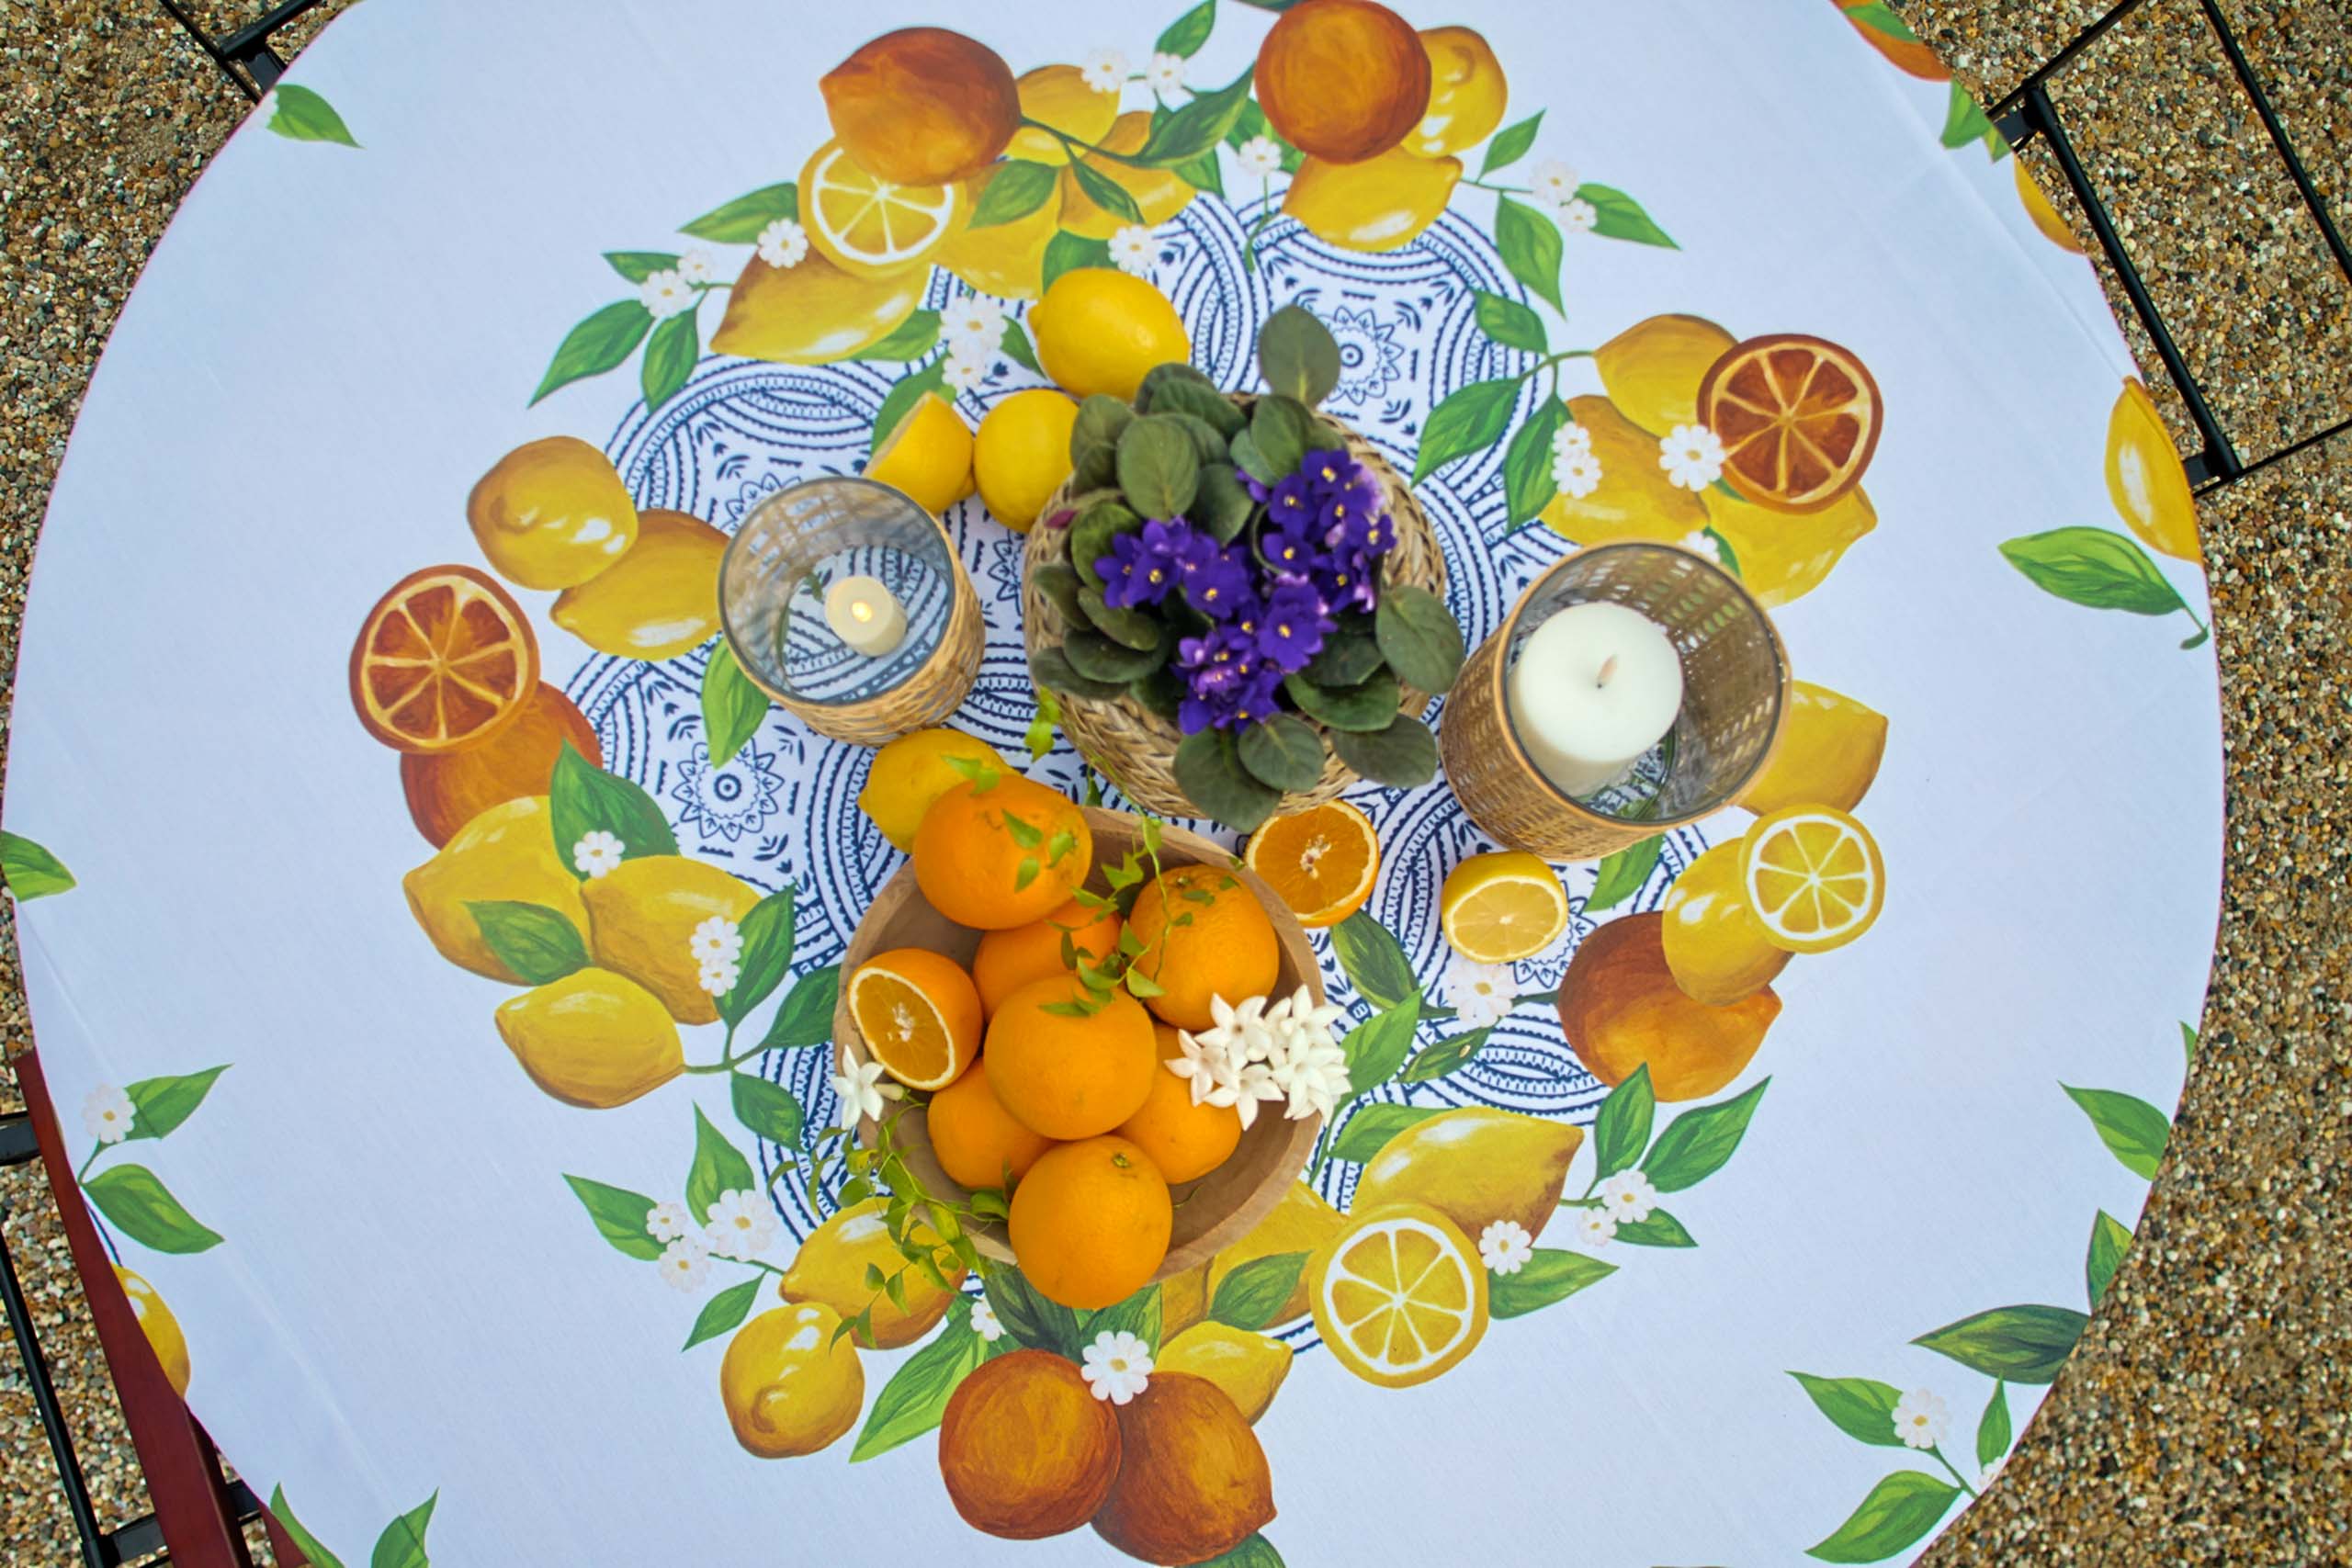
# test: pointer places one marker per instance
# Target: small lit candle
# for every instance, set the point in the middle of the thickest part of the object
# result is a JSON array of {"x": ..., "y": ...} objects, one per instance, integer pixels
[
  {"x": 866, "y": 616},
  {"x": 1594, "y": 689}
]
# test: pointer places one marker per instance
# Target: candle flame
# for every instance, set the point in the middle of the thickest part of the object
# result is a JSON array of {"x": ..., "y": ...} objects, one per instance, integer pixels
[
  {"x": 1608, "y": 667},
  {"x": 860, "y": 610}
]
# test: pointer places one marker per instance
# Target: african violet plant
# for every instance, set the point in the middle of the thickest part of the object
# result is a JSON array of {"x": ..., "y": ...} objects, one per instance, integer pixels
[{"x": 1227, "y": 570}]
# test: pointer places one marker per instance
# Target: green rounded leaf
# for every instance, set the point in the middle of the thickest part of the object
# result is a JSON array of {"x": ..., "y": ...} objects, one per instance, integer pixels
[
  {"x": 1159, "y": 467},
  {"x": 1060, "y": 582},
  {"x": 1298, "y": 356},
  {"x": 1279, "y": 429},
  {"x": 1091, "y": 532},
  {"x": 1368, "y": 706},
  {"x": 1243, "y": 450},
  {"x": 139, "y": 1205},
  {"x": 1210, "y": 773},
  {"x": 1349, "y": 654},
  {"x": 1402, "y": 756},
  {"x": 1159, "y": 378},
  {"x": 1419, "y": 637},
  {"x": 1549, "y": 1276},
  {"x": 1199, "y": 398},
  {"x": 1138, "y": 630},
  {"x": 1283, "y": 753},
  {"x": 1223, "y": 506},
  {"x": 1097, "y": 657},
  {"x": 1161, "y": 691},
  {"x": 1101, "y": 420},
  {"x": 1051, "y": 668}
]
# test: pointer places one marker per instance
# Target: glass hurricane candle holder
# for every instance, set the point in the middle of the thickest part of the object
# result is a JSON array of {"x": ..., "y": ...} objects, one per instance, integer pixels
[
  {"x": 1735, "y": 698},
  {"x": 827, "y": 656}
]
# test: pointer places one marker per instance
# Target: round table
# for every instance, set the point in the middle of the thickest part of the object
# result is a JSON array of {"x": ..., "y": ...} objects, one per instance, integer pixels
[{"x": 414, "y": 1291}]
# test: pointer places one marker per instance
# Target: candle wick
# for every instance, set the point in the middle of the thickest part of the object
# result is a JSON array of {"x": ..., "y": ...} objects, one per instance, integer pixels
[{"x": 1608, "y": 667}]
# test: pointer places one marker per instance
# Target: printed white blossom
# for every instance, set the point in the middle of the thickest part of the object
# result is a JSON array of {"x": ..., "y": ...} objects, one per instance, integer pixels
[
  {"x": 697, "y": 266},
  {"x": 1105, "y": 70},
  {"x": 973, "y": 326},
  {"x": 598, "y": 853},
  {"x": 1628, "y": 1197},
  {"x": 1595, "y": 1228},
  {"x": 1505, "y": 1246},
  {"x": 665, "y": 294},
  {"x": 963, "y": 372},
  {"x": 1571, "y": 437},
  {"x": 1131, "y": 250},
  {"x": 107, "y": 1113},
  {"x": 1165, "y": 73},
  {"x": 1482, "y": 993},
  {"x": 719, "y": 976},
  {"x": 1580, "y": 215},
  {"x": 1692, "y": 455},
  {"x": 1576, "y": 472},
  {"x": 1261, "y": 157},
  {"x": 861, "y": 1091},
  {"x": 742, "y": 1226},
  {"x": 1118, "y": 1367},
  {"x": 1698, "y": 541},
  {"x": 685, "y": 1262},
  {"x": 983, "y": 1321},
  {"x": 668, "y": 1222},
  {"x": 717, "y": 939},
  {"x": 1553, "y": 182},
  {"x": 784, "y": 243},
  {"x": 1921, "y": 1419},
  {"x": 1986, "y": 1474}
]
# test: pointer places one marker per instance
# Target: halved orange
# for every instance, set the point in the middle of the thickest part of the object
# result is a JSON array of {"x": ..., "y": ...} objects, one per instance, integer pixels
[
  {"x": 446, "y": 659},
  {"x": 1798, "y": 416},
  {"x": 1322, "y": 861},
  {"x": 920, "y": 1014},
  {"x": 869, "y": 227}
]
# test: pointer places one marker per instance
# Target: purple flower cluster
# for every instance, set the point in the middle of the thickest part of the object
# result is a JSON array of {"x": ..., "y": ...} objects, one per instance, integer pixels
[{"x": 1318, "y": 552}]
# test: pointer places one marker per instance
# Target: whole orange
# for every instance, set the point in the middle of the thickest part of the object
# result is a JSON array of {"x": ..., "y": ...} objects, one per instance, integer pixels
[
  {"x": 1185, "y": 1140},
  {"x": 974, "y": 1137},
  {"x": 1620, "y": 1008},
  {"x": 923, "y": 106},
  {"x": 1090, "y": 1223},
  {"x": 1193, "y": 1482},
  {"x": 446, "y": 790},
  {"x": 1204, "y": 935},
  {"x": 1343, "y": 80},
  {"x": 1001, "y": 852},
  {"x": 1024, "y": 1447},
  {"x": 1009, "y": 958},
  {"x": 1069, "y": 1074}
]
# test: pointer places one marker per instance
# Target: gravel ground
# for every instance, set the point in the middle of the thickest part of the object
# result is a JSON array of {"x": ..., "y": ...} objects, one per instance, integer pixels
[{"x": 2207, "y": 1418}]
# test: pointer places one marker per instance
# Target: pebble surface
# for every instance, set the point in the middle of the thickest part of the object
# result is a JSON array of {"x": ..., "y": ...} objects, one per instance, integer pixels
[{"x": 2206, "y": 1416}]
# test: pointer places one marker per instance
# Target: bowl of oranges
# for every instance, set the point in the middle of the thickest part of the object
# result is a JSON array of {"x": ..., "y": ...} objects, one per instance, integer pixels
[{"x": 1026, "y": 982}]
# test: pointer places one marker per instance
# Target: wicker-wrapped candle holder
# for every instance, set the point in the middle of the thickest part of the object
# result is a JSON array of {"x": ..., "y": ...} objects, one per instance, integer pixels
[{"x": 1734, "y": 700}]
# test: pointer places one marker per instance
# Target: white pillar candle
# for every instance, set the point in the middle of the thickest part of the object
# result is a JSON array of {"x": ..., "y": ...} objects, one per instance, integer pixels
[
  {"x": 1594, "y": 689},
  {"x": 866, "y": 616}
]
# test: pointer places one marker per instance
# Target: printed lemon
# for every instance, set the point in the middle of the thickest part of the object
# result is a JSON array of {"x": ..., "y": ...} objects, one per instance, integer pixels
[
  {"x": 915, "y": 769},
  {"x": 1621, "y": 1010},
  {"x": 1651, "y": 369},
  {"x": 1322, "y": 861},
  {"x": 928, "y": 454},
  {"x": 922, "y": 105},
  {"x": 869, "y": 226},
  {"x": 791, "y": 1386},
  {"x": 830, "y": 1269},
  {"x": 1377, "y": 204},
  {"x": 1008, "y": 959},
  {"x": 1301, "y": 1222},
  {"x": 657, "y": 602},
  {"x": 1474, "y": 1164},
  {"x": 592, "y": 1039},
  {"x": 2144, "y": 478},
  {"x": 1829, "y": 753},
  {"x": 1342, "y": 79},
  {"x": 813, "y": 312},
  {"x": 1185, "y": 1140},
  {"x": 1400, "y": 1296},
  {"x": 2045, "y": 217},
  {"x": 1714, "y": 945},
  {"x": 1784, "y": 556},
  {"x": 551, "y": 513},
  {"x": 1003, "y": 851},
  {"x": 918, "y": 1014},
  {"x": 977, "y": 1141},
  {"x": 1183, "y": 1300},
  {"x": 642, "y": 916},
  {"x": 1633, "y": 498},
  {"x": 1814, "y": 877},
  {"x": 1502, "y": 906},
  {"x": 1021, "y": 454},
  {"x": 1059, "y": 96},
  {"x": 505, "y": 854},
  {"x": 1159, "y": 194},
  {"x": 162, "y": 1329},
  {"x": 1468, "y": 93},
  {"x": 445, "y": 790},
  {"x": 445, "y": 660},
  {"x": 1886, "y": 33},
  {"x": 1091, "y": 1221},
  {"x": 1099, "y": 330},
  {"x": 1068, "y": 1073},
  {"x": 1204, "y": 935},
  {"x": 1193, "y": 1482},
  {"x": 1025, "y": 1448},
  {"x": 1249, "y": 1367},
  {"x": 1006, "y": 260}
]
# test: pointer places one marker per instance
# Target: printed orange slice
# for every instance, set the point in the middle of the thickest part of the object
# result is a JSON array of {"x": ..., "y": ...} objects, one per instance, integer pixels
[{"x": 446, "y": 659}]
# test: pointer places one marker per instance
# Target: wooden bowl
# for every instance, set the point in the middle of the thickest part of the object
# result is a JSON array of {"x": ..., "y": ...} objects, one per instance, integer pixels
[{"x": 1212, "y": 1212}]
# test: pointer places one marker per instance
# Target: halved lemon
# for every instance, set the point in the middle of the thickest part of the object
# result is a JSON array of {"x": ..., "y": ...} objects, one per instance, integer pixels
[
  {"x": 1322, "y": 861},
  {"x": 1798, "y": 416},
  {"x": 444, "y": 659},
  {"x": 1813, "y": 877},
  {"x": 1400, "y": 1296},
  {"x": 869, "y": 227},
  {"x": 1499, "y": 908},
  {"x": 920, "y": 1014}
]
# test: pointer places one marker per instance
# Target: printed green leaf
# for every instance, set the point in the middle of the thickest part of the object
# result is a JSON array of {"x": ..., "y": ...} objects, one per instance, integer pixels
[
  {"x": 899, "y": 401},
  {"x": 1622, "y": 875},
  {"x": 766, "y": 1110},
  {"x": 602, "y": 343},
  {"x": 766, "y": 958},
  {"x": 1450, "y": 1054},
  {"x": 1251, "y": 1296},
  {"x": 1256, "y": 1551},
  {"x": 638, "y": 266},
  {"x": 1470, "y": 420},
  {"x": 29, "y": 870},
  {"x": 1106, "y": 193},
  {"x": 1899, "y": 1512},
  {"x": 807, "y": 1016},
  {"x": 1067, "y": 252},
  {"x": 160, "y": 1105},
  {"x": 2096, "y": 568},
  {"x": 584, "y": 798},
  {"x": 403, "y": 1544},
  {"x": 1992, "y": 1431},
  {"x": 620, "y": 1215},
  {"x": 1185, "y": 35},
  {"x": 1621, "y": 1131},
  {"x": 1377, "y": 1047},
  {"x": 1017, "y": 347},
  {"x": 538, "y": 944},
  {"x": 1511, "y": 324},
  {"x": 1880, "y": 17},
  {"x": 1160, "y": 470},
  {"x": 1510, "y": 144},
  {"x": 719, "y": 1166},
  {"x": 1528, "y": 485},
  {"x": 1299, "y": 357},
  {"x": 1282, "y": 752},
  {"x": 1529, "y": 243},
  {"x": 1031, "y": 1320},
  {"x": 1419, "y": 637},
  {"x": 907, "y": 342},
  {"x": 1549, "y": 1276},
  {"x": 1620, "y": 217},
  {"x": 2022, "y": 1344},
  {"x": 302, "y": 116},
  {"x": 139, "y": 1205},
  {"x": 308, "y": 1544},
  {"x": 1369, "y": 1130},
  {"x": 739, "y": 222},
  {"x": 732, "y": 707},
  {"x": 724, "y": 1311},
  {"x": 1373, "y": 962},
  {"x": 1661, "y": 1229},
  {"x": 2133, "y": 1130},
  {"x": 1964, "y": 121},
  {"x": 914, "y": 1399},
  {"x": 1403, "y": 755},
  {"x": 2111, "y": 1238},
  {"x": 1209, "y": 771},
  {"x": 1696, "y": 1143},
  {"x": 1863, "y": 1408},
  {"x": 1204, "y": 173},
  {"x": 1193, "y": 130},
  {"x": 1017, "y": 189},
  {"x": 1138, "y": 1315}
]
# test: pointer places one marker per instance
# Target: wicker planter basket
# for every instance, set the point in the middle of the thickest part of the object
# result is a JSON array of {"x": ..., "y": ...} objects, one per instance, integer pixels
[{"x": 1135, "y": 747}]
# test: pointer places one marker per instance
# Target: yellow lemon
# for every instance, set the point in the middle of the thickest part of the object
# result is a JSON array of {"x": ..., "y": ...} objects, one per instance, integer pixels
[
  {"x": 1502, "y": 906},
  {"x": 1021, "y": 454},
  {"x": 1060, "y": 97},
  {"x": 870, "y": 227},
  {"x": 1474, "y": 1164},
  {"x": 1635, "y": 500},
  {"x": 928, "y": 454},
  {"x": 1784, "y": 556},
  {"x": 551, "y": 513},
  {"x": 641, "y": 917},
  {"x": 1004, "y": 259},
  {"x": 831, "y": 1268},
  {"x": 1715, "y": 947},
  {"x": 1814, "y": 877},
  {"x": 1301, "y": 1222},
  {"x": 1468, "y": 93},
  {"x": 1653, "y": 369},
  {"x": 660, "y": 601},
  {"x": 789, "y": 1385},
  {"x": 1159, "y": 193},
  {"x": 1099, "y": 330},
  {"x": 163, "y": 1330},
  {"x": 912, "y": 771},
  {"x": 1400, "y": 1296},
  {"x": 813, "y": 312},
  {"x": 2144, "y": 478},
  {"x": 1377, "y": 204},
  {"x": 1830, "y": 750},
  {"x": 1184, "y": 1300},
  {"x": 592, "y": 1038},
  {"x": 1249, "y": 1367},
  {"x": 2045, "y": 217},
  {"x": 506, "y": 853}
]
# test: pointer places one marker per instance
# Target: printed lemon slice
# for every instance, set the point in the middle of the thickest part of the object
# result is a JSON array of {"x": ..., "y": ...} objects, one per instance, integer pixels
[
  {"x": 1400, "y": 1296},
  {"x": 920, "y": 1015},
  {"x": 1497, "y": 908},
  {"x": 1322, "y": 861},
  {"x": 1814, "y": 878},
  {"x": 869, "y": 227}
]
